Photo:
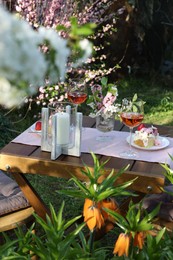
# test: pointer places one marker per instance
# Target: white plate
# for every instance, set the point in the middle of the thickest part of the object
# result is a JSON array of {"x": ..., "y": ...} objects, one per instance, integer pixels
[
  {"x": 32, "y": 128},
  {"x": 164, "y": 142}
]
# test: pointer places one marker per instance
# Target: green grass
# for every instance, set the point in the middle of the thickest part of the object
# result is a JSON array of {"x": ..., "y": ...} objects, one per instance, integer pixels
[
  {"x": 48, "y": 187},
  {"x": 158, "y": 97},
  {"x": 162, "y": 118}
]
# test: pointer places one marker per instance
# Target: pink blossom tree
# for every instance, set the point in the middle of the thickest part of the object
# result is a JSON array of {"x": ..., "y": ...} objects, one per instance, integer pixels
[{"x": 50, "y": 13}]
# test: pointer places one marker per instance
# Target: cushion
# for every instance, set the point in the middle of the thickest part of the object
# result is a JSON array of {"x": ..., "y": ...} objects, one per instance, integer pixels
[
  {"x": 11, "y": 196},
  {"x": 166, "y": 206}
]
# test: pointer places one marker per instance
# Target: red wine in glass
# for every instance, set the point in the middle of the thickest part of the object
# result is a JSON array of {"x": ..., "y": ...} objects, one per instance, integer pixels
[
  {"x": 77, "y": 93},
  {"x": 132, "y": 115},
  {"x": 77, "y": 97},
  {"x": 132, "y": 119}
]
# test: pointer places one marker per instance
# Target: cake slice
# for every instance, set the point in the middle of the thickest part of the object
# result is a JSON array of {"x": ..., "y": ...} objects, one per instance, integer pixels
[{"x": 146, "y": 137}]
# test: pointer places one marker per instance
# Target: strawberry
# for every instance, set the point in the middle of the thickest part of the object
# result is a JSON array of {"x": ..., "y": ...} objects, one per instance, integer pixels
[
  {"x": 140, "y": 127},
  {"x": 38, "y": 126}
]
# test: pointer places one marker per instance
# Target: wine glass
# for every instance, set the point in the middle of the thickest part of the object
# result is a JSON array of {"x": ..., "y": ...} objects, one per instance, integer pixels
[
  {"x": 77, "y": 93},
  {"x": 132, "y": 115}
]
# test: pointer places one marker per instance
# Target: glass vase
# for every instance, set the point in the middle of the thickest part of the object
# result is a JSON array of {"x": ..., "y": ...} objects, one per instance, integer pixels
[{"x": 105, "y": 124}]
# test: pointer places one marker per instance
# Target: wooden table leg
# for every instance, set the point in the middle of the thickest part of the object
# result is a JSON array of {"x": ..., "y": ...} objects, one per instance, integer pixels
[{"x": 33, "y": 197}]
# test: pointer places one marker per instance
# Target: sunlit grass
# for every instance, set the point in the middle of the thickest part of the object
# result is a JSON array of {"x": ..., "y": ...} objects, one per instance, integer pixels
[{"x": 160, "y": 118}]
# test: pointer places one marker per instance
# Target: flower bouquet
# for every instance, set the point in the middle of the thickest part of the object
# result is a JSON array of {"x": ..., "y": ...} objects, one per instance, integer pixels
[
  {"x": 102, "y": 99},
  {"x": 102, "y": 103}
]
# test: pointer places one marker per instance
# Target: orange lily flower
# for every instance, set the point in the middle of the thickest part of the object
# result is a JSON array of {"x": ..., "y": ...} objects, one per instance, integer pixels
[
  {"x": 88, "y": 203},
  {"x": 111, "y": 204},
  {"x": 139, "y": 239},
  {"x": 92, "y": 215},
  {"x": 122, "y": 245}
]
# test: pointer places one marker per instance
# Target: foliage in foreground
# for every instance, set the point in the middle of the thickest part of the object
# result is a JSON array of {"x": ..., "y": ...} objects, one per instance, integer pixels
[
  {"x": 136, "y": 237},
  {"x": 57, "y": 243}
]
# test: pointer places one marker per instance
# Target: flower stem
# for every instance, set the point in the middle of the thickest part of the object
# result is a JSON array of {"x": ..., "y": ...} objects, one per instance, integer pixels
[{"x": 91, "y": 242}]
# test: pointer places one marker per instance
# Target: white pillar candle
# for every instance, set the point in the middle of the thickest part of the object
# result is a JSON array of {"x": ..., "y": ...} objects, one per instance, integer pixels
[{"x": 62, "y": 128}]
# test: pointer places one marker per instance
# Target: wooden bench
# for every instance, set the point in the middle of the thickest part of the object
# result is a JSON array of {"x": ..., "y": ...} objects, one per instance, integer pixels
[{"x": 15, "y": 209}]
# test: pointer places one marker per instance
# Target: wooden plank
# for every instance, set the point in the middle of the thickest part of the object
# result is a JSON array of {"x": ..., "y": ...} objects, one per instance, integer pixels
[
  {"x": 165, "y": 131},
  {"x": 116, "y": 163},
  {"x": 20, "y": 149},
  {"x": 15, "y": 219},
  {"x": 88, "y": 121},
  {"x": 149, "y": 167},
  {"x": 65, "y": 169}
]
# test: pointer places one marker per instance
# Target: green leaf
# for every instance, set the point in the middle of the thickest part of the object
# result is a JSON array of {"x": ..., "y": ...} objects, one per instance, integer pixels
[
  {"x": 153, "y": 213},
  {"x": 143, "y": 226},
  {"x": 120, "y": 220},
  {"x": 134, "y": 97},
  {"x": 160, "y": 235},
  {"x": 84, "y": 31},
  {"x": 72, "y": 193},
  {"x": 169, "y": 172},
  {"x": 59, "y": 216},
  {"x": 72, "y": 221},
  {"x": 104, "y": 81},
  {"x": 74, "y": 21},
  {"x": 80, "y": 185},
  {"x": 61, "y": 28},
  {"x": 134, "y": 109}
]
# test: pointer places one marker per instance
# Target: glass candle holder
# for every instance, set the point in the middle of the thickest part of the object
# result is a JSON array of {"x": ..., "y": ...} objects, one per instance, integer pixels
[{"x": 65, "y": 115}]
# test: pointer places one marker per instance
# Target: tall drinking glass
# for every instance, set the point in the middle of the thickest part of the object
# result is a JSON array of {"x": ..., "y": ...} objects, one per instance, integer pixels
[
  {"x": 132, "y": 115},
  {"x": 77, "y": 93}
]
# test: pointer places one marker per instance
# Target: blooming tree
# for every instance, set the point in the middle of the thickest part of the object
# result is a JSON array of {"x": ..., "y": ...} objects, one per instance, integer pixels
[
  {"x": 51, "y": 13},
  {"x": 24, "y": 64}
]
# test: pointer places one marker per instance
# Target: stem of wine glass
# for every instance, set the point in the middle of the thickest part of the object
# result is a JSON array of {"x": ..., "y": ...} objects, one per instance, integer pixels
[{"x": 130, "y": 141}]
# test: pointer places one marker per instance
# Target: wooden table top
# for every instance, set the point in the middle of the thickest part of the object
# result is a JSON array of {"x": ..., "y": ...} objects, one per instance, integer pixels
[{"x": 30, "y": 159}]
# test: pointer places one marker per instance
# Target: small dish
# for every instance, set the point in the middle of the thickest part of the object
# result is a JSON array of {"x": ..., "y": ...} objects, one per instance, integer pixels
[{"x": 164, "y": 142}]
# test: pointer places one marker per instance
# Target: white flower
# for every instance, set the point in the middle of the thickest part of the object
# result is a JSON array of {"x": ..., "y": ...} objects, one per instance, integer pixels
[
  {"x": 19, "y": 51},
  {"x": 86, "y": 47},
  {"x": 10, "y": 94},
  {"x": 59, "y": 45},
  {"x": 23, "y": 67}
]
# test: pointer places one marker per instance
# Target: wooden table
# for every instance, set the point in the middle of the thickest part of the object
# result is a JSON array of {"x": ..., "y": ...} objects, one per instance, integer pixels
[{"x": 20, "y": 159}]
